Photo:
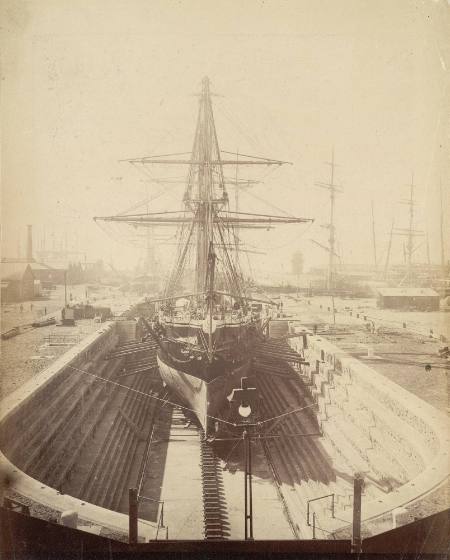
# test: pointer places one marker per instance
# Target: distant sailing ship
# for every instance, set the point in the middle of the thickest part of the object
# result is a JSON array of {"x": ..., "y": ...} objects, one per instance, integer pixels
[{"x": 206, "y": 331}]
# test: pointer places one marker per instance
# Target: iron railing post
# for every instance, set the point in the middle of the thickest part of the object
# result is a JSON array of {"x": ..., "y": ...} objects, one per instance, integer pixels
[
  {"x": 356, "y": 529},
  {"x": 132, "y": 516}
]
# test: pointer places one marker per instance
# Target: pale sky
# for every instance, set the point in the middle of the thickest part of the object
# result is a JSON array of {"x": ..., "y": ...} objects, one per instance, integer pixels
[{"x": 87, "y": 83}]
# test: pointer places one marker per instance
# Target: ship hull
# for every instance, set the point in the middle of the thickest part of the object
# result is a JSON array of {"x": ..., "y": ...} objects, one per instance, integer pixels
[{"x": 206, "y": 399}]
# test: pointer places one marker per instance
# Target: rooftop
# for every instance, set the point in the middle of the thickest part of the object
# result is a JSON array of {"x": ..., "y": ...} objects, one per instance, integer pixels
[
  {"x": 407, "y": 292},
  {"x": 12, "y": 270}
]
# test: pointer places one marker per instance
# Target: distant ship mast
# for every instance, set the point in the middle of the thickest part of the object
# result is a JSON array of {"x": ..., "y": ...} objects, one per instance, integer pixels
[
  {"x": 410, "y": 233},
  {"x": 333, "y": 189}
]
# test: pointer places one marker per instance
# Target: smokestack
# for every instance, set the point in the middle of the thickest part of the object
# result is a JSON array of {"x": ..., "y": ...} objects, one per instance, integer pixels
[{"x": 30, "y": 244}]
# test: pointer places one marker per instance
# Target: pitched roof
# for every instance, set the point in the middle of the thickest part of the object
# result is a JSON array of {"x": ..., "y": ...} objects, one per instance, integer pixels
[
  {"x": 13, "y": 271},
  {"x": 40, "y": 266}
]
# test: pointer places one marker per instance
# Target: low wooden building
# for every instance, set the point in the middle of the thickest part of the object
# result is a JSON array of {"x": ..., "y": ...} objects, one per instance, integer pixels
[
  {"x": 48, "y": 274},
  {"x": 420, "y": 299},
  {"x": 17, "y": 282}
]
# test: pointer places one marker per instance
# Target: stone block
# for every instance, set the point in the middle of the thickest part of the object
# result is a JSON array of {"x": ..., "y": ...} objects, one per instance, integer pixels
[{"x": 69, "y": 518}]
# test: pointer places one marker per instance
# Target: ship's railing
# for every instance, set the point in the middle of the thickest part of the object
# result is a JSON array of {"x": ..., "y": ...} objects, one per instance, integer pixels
[{"x": 194, "y": 320}]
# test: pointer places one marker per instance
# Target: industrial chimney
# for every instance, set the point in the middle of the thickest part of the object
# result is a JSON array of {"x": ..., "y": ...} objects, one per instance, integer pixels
[{"x": 30, "y": 244}]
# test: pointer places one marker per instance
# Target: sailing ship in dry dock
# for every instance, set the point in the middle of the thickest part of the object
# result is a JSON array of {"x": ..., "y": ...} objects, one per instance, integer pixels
[{"x": 207, "y": 324}]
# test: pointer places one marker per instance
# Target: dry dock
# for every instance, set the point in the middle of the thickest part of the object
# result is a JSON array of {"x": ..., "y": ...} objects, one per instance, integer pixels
[{"x": 96, "y": 422}]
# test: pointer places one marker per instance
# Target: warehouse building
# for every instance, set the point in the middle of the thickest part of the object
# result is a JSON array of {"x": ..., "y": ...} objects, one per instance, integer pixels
[
  {"x": 48, "y": 275},
  {"x": 420, "y": 299},
  {"x": 18, "y": 282}
]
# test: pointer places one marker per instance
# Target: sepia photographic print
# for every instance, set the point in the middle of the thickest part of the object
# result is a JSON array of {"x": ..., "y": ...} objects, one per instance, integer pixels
[{"x": 225, "y": 278}]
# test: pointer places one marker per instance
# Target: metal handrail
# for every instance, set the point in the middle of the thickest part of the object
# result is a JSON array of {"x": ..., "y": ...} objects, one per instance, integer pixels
[
  {"x": 145, "y": 461},
  {"x": 160, "y": 522},
  {"x": 314, "y": 500}
]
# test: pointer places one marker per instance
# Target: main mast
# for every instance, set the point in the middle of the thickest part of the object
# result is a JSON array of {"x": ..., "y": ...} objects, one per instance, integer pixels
[
  {"x": 207, "y": 228},
  {"x": 205, "y": 190}
]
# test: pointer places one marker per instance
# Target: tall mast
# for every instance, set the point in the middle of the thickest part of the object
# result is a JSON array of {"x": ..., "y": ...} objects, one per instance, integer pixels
[
  {"x": 388, "y": 255},
  {"x": 333, "y": 189},
  {"x": 409, "y": 246},
  {"x": 374, "y": 239},
  {"x": 206, "y": 174},
  {"x": 236, "y": 204},
  {"x": 332, "y": 229},
  {"x": 442, "y": 233},
  {"x": 430, "y": 276},
  {"x": 410, "y": 233}
]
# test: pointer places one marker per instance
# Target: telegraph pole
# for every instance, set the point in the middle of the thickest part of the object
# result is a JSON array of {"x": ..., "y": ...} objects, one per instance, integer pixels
[
  {"x": 132, "y": 516},
  {"x": 245, "y": 396},
  {"x": 358, "y": 483},
  {"x": 248, "y": 485}
]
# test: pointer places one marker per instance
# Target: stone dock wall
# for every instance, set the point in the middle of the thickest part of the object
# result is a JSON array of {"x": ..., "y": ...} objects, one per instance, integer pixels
[
  {"x": 19, "y": 408},
  {"x": 371, "y": 425}
]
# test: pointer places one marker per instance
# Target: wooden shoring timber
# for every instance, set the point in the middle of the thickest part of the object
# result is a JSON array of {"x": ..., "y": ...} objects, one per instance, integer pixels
[
  {"x": 286, "y": 356},
  {"x": 126, "y": 353},
  {"x": 272, "y": 373},
  {"x": 279, "y": 365},
  {"x": 131, "y": 342},
  {"x": 136, "y": 371},
  {"x": 139, "y": 363},
  {"x": 274, "y": 346},
  {"x": 276, "y": 356},
  {"x": 267, "y": 370},
  {"x": 136, "y": 345},
  {"x": 282, "y": 346},
  {"x": 148, "y": 363},
  {"x": 275, "y": 351}
]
